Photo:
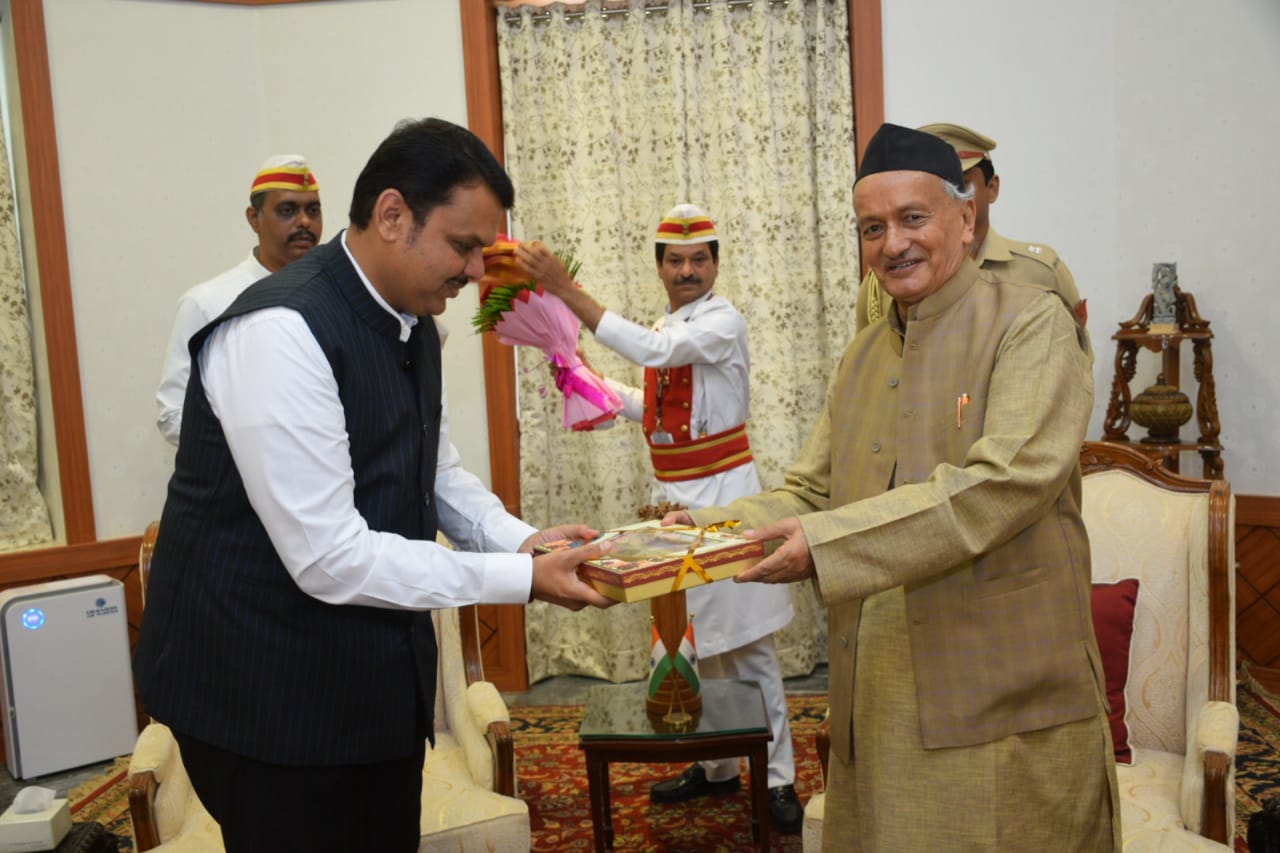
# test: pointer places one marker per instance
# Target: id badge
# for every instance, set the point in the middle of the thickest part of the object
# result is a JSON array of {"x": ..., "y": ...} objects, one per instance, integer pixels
[{"x": 661, "y": 436}]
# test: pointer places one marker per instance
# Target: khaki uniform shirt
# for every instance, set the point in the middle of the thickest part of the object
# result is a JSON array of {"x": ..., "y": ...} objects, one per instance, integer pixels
[{"x": 1034, "y": 263}]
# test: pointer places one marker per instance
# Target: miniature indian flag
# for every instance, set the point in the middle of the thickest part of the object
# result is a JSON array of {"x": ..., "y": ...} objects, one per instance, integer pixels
[
  {"x": 659, "y": 661},
  {"x": 686, "y": 659}
]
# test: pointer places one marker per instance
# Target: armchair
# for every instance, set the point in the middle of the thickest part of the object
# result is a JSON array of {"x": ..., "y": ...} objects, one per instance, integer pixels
[
  {"x": 1176, "y": 535},
  {"x": 468, "y": 778}
]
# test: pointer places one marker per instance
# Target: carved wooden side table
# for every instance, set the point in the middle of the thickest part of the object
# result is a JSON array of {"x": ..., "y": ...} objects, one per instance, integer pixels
[{"x": 1163, "y": 442}]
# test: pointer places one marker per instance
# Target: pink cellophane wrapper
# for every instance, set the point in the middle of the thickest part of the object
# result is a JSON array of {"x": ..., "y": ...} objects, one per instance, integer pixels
[
  {"x": 542, "y": 320},
  {"x": 539, "y": 319}
]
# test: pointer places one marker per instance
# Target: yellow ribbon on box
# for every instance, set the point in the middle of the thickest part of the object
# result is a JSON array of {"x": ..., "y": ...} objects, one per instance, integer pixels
[{"x": 690, "y": 562}]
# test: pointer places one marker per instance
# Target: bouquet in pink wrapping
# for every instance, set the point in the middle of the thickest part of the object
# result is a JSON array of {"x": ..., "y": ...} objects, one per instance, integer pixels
[{"x": 523, "y": 314}]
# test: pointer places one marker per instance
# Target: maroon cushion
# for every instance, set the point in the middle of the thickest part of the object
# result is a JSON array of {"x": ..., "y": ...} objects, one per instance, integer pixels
[{"x": 1113, "y": 605}]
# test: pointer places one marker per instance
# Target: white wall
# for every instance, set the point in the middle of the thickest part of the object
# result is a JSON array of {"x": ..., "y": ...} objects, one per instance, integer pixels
[
  {"x": 1128, "y": 133},
  {"x": 164, "y": 110}
]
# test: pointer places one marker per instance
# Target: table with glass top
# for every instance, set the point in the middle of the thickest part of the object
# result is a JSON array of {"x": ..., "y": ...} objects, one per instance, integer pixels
[{"x": 732, "y": 722}]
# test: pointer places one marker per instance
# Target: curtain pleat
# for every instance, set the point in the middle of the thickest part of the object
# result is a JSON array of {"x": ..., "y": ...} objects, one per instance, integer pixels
[
  {"x": 609, "y": 122},
  {"x": 24, "y": 516}
]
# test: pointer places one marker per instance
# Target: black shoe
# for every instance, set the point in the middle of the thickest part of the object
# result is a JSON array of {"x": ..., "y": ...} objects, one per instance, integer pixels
[
  {"x": 785, "y": 814},
  {"x": 693, "y": 783}
]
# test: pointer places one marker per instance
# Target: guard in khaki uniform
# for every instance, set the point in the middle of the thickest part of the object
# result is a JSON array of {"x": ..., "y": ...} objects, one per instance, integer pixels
[
  {"x": 1015, "y": 260},
  {"x": 936, "y": 509}
]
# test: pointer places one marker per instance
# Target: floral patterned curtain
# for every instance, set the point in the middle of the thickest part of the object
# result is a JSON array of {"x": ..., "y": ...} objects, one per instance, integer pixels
[
  {"x": 611, "y": 119},
  {"x": 24, "y": 517}
]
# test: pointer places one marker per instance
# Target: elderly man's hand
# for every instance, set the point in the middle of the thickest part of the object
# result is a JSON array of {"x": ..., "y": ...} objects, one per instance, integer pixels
[
  {"x": 545, "y": 268},
  {"x": 790, "y": 563},
  {"x": 678, "y": 516}
]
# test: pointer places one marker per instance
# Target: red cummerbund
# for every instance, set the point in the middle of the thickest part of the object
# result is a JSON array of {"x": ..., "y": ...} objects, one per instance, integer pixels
[{"x": 702, "y": 457}]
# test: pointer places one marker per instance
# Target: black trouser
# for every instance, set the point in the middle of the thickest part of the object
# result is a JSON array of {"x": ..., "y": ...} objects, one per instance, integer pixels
[{"x": 273, "y": 808}]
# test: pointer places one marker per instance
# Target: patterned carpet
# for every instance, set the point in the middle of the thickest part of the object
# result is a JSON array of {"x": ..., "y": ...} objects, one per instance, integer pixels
[
  {"x": 1257, "y": 755},
  {"x": 105, "y": 799},
  {"x": 550, "y": 770}
]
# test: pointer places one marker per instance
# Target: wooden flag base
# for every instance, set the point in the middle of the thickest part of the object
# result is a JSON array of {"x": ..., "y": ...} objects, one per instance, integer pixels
[{"x": 675, "y": 696}]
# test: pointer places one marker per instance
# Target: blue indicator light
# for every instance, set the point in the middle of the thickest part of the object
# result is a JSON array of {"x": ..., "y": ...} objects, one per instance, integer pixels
[{"x": 32, "y": 618}]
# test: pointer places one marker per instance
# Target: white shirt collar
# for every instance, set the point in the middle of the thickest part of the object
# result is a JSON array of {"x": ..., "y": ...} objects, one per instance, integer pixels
[
  {"x": 407, "y": 321},
  {"x": 688, "y": 308}
]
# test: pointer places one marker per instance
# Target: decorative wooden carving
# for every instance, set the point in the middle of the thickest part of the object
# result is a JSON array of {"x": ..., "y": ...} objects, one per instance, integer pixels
[{"x": 1140, "y": 332}]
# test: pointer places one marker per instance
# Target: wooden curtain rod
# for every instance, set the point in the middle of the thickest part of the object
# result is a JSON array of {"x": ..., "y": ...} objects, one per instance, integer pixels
[{"x": 513, "y": 14}]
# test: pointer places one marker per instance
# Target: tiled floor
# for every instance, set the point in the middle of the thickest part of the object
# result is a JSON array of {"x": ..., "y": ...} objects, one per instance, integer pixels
[{"x": 560, "y": 690}]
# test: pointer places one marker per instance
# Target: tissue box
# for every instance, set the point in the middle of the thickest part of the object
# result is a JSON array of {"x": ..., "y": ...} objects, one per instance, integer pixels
[{"x": 35, "y": 830}]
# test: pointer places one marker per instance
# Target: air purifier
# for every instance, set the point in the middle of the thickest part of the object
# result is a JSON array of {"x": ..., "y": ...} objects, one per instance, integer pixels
[{"x": 67, "y": 684}]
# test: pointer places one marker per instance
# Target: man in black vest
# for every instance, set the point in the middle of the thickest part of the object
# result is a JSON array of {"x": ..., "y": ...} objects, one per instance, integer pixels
[{"x": 287, "y": 640}]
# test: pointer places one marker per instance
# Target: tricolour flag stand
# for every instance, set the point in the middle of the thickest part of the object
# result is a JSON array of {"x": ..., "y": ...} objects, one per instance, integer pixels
[{"x": 674, "y": 690}]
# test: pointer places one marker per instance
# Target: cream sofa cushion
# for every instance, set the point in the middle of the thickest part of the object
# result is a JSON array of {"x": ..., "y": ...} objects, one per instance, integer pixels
[
  {"x": 1150, "y": 816},
  {"x": 179, "y": 813},
  {"x": 460, "y": 815}
]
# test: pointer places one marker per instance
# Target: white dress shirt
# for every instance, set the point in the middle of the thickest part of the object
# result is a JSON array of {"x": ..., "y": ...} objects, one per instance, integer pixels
[
  {"x": 707, "y": 333},
  {"x": 196, "y": 308},
  {"x": 275, "y": 395}
]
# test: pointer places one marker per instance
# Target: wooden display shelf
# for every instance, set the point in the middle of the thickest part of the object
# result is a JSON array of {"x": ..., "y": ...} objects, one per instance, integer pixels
[{"x": 1140, "y": 332}]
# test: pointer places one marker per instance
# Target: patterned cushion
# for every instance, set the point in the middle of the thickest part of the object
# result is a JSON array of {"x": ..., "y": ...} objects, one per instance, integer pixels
[
  {"x": 459, "y": 815},
  {"x": 1149, "y": 815},
  {"x": 179, "y": 814}
]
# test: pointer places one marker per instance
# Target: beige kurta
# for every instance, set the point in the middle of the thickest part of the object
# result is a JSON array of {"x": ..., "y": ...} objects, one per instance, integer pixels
[
  {"x": 1035, "y": 791},
  {"x": 987, "y": 660}
]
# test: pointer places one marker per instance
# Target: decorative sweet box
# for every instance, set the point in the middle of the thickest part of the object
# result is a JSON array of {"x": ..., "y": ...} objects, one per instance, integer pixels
[{"x": 649, "y": 560}]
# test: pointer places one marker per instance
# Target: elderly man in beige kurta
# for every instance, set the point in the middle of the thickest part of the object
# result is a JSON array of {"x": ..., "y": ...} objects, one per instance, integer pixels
[{"x": 936, "y": 506}]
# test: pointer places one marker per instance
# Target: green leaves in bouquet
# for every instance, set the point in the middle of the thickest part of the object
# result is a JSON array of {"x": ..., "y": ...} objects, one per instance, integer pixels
[{"x": 501, "y": 296}]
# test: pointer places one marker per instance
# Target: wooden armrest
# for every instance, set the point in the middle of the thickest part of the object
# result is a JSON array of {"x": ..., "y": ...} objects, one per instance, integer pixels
[
  {"x": 823, "y": 739},
  {"x": 142, "y": 809},
  {"x": 469, "y": 631},
  {"x": 1213, "y": 819},
  {"x": 504, "y": 758}
]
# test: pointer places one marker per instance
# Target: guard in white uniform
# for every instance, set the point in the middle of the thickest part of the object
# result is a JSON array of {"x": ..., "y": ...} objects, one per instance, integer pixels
[
  {"x": 694, "y": 408},
  {"x": 284, "y": 211}
]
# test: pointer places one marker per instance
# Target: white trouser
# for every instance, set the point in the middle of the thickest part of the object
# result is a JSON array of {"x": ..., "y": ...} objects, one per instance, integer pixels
[{"x": 756, "y": 661}]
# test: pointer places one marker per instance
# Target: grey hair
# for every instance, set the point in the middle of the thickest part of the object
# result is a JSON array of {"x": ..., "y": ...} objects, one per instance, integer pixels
[{"x": 955, "y": 193}]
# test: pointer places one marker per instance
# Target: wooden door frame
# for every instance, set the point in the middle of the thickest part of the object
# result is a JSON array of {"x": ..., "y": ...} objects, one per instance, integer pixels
[
  {"x": 484, "y": 117},
  {"x": 48, "y": 227}
]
